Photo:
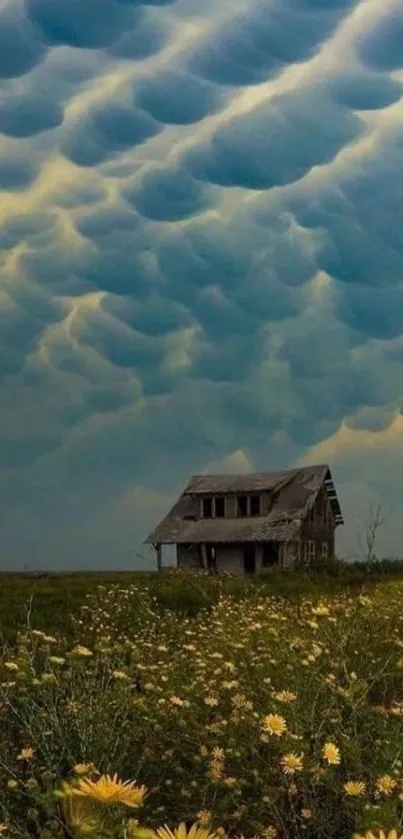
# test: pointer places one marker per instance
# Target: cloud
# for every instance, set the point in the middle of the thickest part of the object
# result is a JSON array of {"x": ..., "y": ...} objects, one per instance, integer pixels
[
  {"x": 177, "y": 98},
  {"x": 250, "y": 48},
  {"x": 27, "y": 115},
  {"x": 21, "y": 47},
  {"x": 201, "y": 258},
  {"x": 165, "y": 195},
  {"x": 96, "y": 25},
  {"x": 277, "y": 143},
  {"x": 380, "y": 47},
  {"x": 17, "y": 170},
  {"x": 108, "y": 129}
]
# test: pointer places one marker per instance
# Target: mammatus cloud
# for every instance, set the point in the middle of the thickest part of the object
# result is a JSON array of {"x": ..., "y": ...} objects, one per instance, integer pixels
[{"x": 201, "y": 259}]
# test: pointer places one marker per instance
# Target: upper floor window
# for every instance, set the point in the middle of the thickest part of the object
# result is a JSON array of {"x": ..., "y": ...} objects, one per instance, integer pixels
[
  {"x": 242, "y": 505},
  {"x": 255, "y": 505},
  {"x": 213, "y": 507},
  {"x": 248, "y": 505},
  {"x": 219, "y": 504},
  {"x": 207, "y": 508}
]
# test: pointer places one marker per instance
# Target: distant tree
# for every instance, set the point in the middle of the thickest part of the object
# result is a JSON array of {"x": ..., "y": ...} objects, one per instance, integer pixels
[{"x": 372, "y": 523}]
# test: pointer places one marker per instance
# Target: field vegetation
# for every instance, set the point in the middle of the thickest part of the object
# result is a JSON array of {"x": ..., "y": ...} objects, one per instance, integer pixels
[{"x": 268, "y": 707}]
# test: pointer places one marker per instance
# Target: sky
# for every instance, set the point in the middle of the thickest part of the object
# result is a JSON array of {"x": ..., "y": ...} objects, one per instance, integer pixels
[{"x": 201, "y": 262}]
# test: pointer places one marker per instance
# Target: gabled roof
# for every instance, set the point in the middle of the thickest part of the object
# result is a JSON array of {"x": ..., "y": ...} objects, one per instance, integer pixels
[{"x": 294, "y": 492}]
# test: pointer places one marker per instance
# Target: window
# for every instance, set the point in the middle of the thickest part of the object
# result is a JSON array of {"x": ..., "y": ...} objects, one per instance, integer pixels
[
  {"x": 325, "y": 549},
  {"x": 207, "y": 507},
  {"x": 242, "y": 505},
  {"x": 255, "y": 505},
  {"x": 248, "y": 505},
  {"x": 219, "y": 507},
  {"x": 213, "y": 507},
  {"x": 309, "y": 551}
]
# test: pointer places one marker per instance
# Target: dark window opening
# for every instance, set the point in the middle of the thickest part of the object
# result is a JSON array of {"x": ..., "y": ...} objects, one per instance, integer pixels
[
  {"x": 249, "y": 559},
  {"x": 207, "y": 508},
  {"x": 270, "y": 554},
  {"x": 255, "y": 505},
  {"x": 242, "y": 505},
  {"x": 220, "y": 507}
]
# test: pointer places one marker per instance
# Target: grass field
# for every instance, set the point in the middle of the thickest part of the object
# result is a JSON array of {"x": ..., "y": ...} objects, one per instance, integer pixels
[{"x": 270, "y": 707}]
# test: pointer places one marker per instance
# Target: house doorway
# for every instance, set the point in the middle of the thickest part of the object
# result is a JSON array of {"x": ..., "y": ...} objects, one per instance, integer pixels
[
  {"x": 270, "y": 554},
  {"x": 249, "y": 559}
]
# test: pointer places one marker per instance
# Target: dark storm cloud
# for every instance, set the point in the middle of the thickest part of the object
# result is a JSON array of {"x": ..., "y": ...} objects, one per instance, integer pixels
[
  {"x": 147, "y": 37},
  {"x": 365, "y": 91},
  {"x": 154, "y": 316},
  {"x": 359, "y": 222},
  {"x": 22, "y": 320},
  {"x": 381, "y": 46},
  {"x": 169, "y": 195},
  {"x": 182, "y": 337},
  {"x": 177, "y": 98},
  {"x": 252, "y": 47},
  {"x": 106, "y": 130},
  {"x": 91, "y": 25},
  {"x": 276, "y": 143},
  {"x": 21, "y": 45},
  {"x": 17, "y": 170},
  {"x": 29, "y": 228},
  {"x": 26, "y": 115},
  {"x": 118, "y": 260}
]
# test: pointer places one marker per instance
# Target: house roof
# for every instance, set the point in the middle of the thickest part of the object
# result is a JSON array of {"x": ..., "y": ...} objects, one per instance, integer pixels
[{"x": 294, "y": 491}]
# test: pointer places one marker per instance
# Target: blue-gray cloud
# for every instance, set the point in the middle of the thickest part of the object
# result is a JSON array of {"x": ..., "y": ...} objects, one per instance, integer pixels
[
  {"x": 177, "y": 98},
  {"x": 27, "y": 115},
  {"x": 276, "y": 144},
  {"x": 251, "y": 48},
  {"x": 21, "y": 47},
  {"x": 169, "y": 195},
  {"x": 381, "y": 46},
  {"x": 17, "y": 170},
  {"x": 198, "y": 270},
  {"x": 108, "y": 129}
]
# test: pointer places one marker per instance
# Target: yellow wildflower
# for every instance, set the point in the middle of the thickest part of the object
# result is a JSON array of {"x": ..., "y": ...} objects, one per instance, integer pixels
[
  {"x": 105, "y": 790},
  {"x": 26, "y": 754},
  {"x": 285, "y": 696},
  {"x": 11, "y": 665},
  {"x": 274, "y": 724},
  {"x": 181, "y": 832},
  {"x": 175, "y": 700},
  {"x": 354, "y": 788},
  {"x": 386, "y": 784},
  {"x": 211, "y": 701},
  {"x": 306, "y": 813},
  {"x": 331, "y": 753},
  {"x": 204, "y": 817},
  {"x": 84, "y": 768},
  {"x": 291, "y": 763},
  {"x": 80, "y": 650},
  {"x": 269, "y": 832}
]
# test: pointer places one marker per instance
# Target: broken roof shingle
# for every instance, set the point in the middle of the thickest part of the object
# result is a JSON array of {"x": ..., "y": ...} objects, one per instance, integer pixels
[{"x": 294, "y": 491}]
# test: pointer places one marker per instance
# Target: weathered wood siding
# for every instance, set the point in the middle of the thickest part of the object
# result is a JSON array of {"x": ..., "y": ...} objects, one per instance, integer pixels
[{"x": 319, "y": 528}]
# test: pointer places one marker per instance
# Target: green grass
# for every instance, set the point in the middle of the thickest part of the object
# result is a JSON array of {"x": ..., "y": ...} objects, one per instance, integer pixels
[{"x": 51, "y": 598}]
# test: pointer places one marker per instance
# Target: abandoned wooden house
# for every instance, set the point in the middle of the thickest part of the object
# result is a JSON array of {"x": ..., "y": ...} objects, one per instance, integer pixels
[{"x": 242, "y": 523}]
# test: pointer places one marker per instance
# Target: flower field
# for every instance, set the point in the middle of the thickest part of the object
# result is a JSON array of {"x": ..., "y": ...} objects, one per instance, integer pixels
[{"x": 256, "y": 716}]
